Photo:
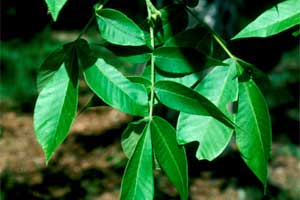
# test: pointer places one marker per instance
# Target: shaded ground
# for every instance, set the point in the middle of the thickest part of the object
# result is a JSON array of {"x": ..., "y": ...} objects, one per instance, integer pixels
[{"x": 90, "y": 163}]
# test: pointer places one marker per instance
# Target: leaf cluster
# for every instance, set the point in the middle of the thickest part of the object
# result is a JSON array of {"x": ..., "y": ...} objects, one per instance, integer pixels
[{"x": 216, "y": 98}]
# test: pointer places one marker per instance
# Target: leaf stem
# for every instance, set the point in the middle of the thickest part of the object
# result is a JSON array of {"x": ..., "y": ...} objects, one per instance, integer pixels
[
  {"x": 215, "y": 36},
  {"x": 150, "y": 10},
  {"x": 86, "y": 27},
  {"x": 151, "y": 102}
]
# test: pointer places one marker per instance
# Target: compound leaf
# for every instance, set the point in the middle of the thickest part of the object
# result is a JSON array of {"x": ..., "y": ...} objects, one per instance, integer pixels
[
  {"x": 275, "y": 20},
  {"x": 220, "y": 86},
  {"x": 184, "y": 99},
  {"x": 170, "y": 156},
  {"x": 117, "y": 28},
  {"x": 55, "y": 7},
  {"x": 182, "y": 60},
  {"x": 138, "y": 181},
  {"x": 254, "y": 136},
  {"x": 55, "y": 111},
  {"x": 115, "y": 90}
]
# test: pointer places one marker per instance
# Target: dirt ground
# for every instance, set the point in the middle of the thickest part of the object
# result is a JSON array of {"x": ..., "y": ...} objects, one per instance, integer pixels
[{"x": 90, "y": 163}]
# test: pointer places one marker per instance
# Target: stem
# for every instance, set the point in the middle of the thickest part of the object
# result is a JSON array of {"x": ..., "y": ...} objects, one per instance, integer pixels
[
  {"x": 151, "y": 103},
  {"x": 215, "y": 36},
  {"x": 86, "y": 27},
  {"x": 150, "y": 10}
]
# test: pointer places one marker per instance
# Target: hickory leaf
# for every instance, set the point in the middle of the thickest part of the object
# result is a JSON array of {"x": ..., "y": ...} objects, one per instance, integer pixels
[
  {"x": 117, "y": 28},
  {"x": 184, "y": 99},
  {"x": 170, "y": 156},
  {"x": 131, "y": 136},
  {"x": 55, "y": 7},
  {"x": 138, "y": 181},
  {"x": 55, "y": 111},
  {"x": 47, "y": 70},
  {"x": 275, "y": 20},
  {"x": 254, "y": 137},
  {"x": 116, "y": 90},
  {"x": 220, "y": 86}
]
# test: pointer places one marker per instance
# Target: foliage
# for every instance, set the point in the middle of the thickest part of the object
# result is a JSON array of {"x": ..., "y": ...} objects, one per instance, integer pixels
[
  {"x": 275, "y": 20},
  {"x": 225, "y": 102}
]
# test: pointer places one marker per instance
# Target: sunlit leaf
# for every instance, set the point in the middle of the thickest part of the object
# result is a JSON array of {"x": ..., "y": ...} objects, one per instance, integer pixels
[
  {"x": 182, "y": 60},
  {"x": 117, "y": 28},
  {"x": 138, "y": 181},
  {"x": 184, "y": 99},
  {"x": 170, "y": 156},
  {"x": 141, "y": 80},
  {"x": 187, "y": 80},
  {"x": 275, "y": 20},
  {"x": 220, "y": 86},
  {"x": 55, "y": 7},
  {"x": 116, "y": 90},
  {"x": 254, "y": 137},
  {"x": 55, "y": 111}
]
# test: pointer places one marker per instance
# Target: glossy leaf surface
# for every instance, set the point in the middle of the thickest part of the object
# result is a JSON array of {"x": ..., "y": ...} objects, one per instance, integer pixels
[
  {"x": 170, "y": 156},
  {"x": 182, "y": 98},
  {"x": 275, "y": 20},
  {"x": 141, "y": 80},
  {"x": 182, "y": 60},
  {"x": 116, "y": 90},
  {"x": 55, "y": 111},
  {"x": 55, "y": 7},
  {"x": 138, "y": 181},
  {"x": 220, "y": 86},
  {"x": 254, "y": 137},
  {"x": 117, "y": 28}
]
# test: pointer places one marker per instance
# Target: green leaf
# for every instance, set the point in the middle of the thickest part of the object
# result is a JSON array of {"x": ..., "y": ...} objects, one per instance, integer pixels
[
  {"x": 117, "y": 28},
  {"x": 115, "y": 90},
  {"x": 187, "y": 80},
  {"x": 220, "y": 86},
  {"x": 182, "y": 60},
  {"x": 275, "y": 20},
  {"x": 170, "y": 156},
  {"x": 86, "y": 57},
  {"x": 55, "y": 7},
  {"x": 47, "y": 70},
  {"x": 254, "y": 138},
  {"x": 138, "y": 181},
  {"x": 141, "y": 80},
  {"x": 55, "y": 111},
  {"x": 184, "y": 99},
  {"x": 137, "y": 59},
  {"x": 197, "y": 37},
  {"x": 131, "y": 136}
]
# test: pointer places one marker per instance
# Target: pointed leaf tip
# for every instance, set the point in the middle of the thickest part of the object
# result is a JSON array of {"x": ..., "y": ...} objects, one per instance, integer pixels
[{"x": 55, "y": 7}]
